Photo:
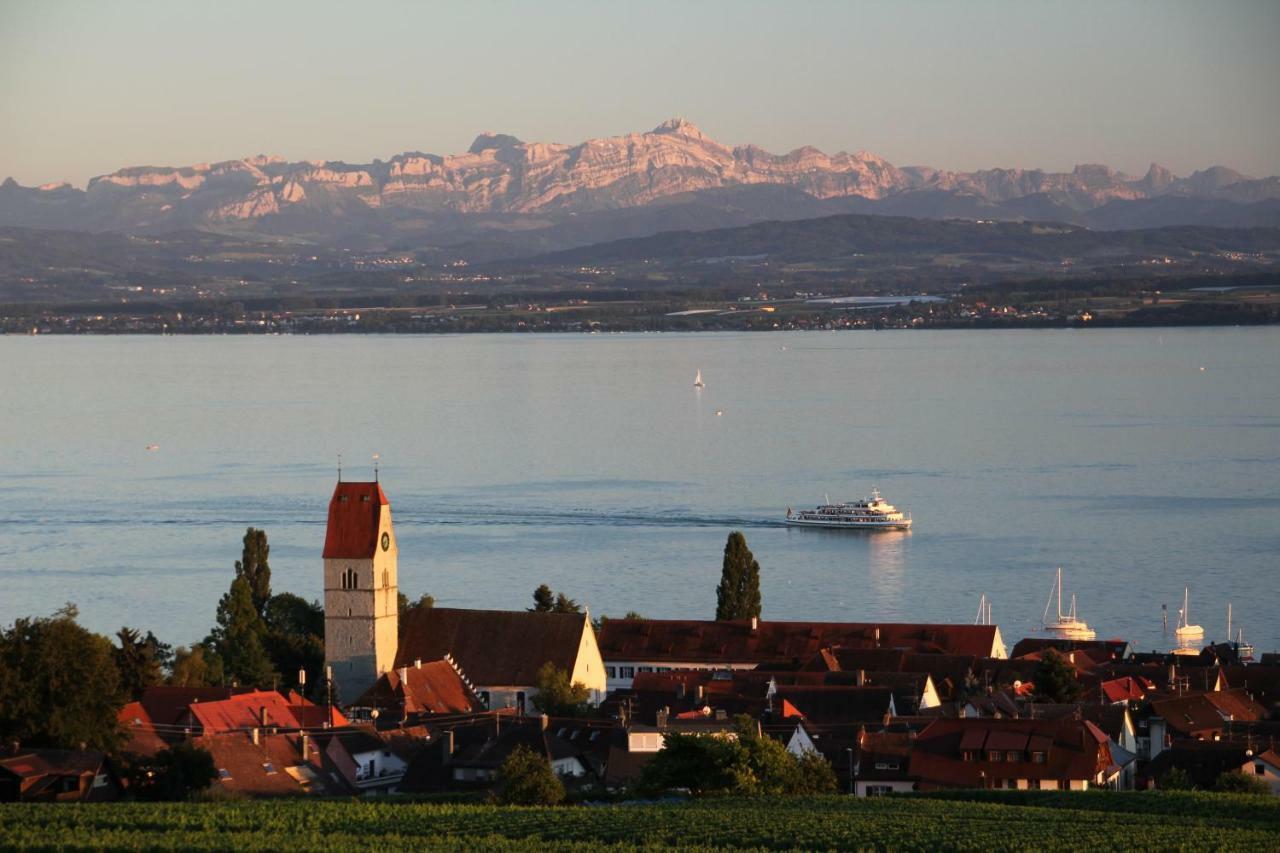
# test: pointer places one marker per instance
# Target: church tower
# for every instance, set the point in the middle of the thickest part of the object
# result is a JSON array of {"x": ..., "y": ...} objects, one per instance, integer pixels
[{"x": 361, "y": 608}]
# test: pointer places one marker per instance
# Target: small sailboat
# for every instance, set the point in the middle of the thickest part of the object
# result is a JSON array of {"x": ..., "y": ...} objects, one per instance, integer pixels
[
  {"x": 153, "y": 447},
  {"x": 1067, "y": 626},
  {"x": 697, "y": 380},
  {"x": 1244, "y": 651},
  {"x": 1186, "y": 632}
]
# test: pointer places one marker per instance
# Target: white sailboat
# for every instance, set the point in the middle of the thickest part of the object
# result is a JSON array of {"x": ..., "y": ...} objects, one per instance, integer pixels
[
  {"x": 1186, "y": 632},
  {"x": 1067, "y": 626},
  {"x": 697, "y": 380},
  {"x": 1244, "y": 651}
]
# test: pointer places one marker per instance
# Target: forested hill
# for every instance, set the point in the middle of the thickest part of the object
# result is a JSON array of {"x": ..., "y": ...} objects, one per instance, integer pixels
[{"x": 842, "y": 237}]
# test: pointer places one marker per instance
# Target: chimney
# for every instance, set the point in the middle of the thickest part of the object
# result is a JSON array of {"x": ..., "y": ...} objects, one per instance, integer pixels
[
  {"x": 262, "y": 715},
  {"x": 417, "y": 663},
  {"x": 861, "y": 678},
  {"x": 544, "y": 721},
  {"x": 254, "y": 734},
  {"x": 699, "y": 693},
  {"x": 306, "y": 747},
  {"x": 755, "y": 623},
  {"x": 877, "y": 638},
  {"x": 661, "y": 717},
  {"x": 404, "y": 675}
]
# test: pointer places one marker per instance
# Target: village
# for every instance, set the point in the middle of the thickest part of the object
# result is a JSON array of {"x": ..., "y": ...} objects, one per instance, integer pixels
[{"x": 429, "y": 700}]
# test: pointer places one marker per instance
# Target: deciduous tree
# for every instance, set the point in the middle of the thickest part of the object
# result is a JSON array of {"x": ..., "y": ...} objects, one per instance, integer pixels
[
  {"x": 526, "y": 778},
  {"x": 1055, "y": 679},
  {"x": 197, "y": 666},
  {"x": 738, "y": 595},
  {"x": 557, "y": 696},
  {"x": 176, "y": 773},
  {"x": 59, "y": 684}
]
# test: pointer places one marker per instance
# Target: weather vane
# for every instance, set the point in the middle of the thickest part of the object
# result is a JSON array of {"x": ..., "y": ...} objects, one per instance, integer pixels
[{"x": 375, "y": 467}]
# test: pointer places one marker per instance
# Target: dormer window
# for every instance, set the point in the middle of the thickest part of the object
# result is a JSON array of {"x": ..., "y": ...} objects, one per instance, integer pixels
[{"x": 1038, "y": 757}]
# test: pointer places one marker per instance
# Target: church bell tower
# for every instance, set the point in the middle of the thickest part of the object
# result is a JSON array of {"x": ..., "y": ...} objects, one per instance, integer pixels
[{"x": 361, "y": 607}]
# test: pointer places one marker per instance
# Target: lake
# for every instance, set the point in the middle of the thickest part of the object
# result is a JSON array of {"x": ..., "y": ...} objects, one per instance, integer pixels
[{"x": 1139, "y": 460}]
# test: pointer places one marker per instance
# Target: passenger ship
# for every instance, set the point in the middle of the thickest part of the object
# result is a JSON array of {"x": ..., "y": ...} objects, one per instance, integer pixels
[{"x": 873, "y": 513}]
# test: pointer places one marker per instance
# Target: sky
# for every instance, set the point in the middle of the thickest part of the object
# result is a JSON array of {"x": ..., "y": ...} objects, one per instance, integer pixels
[{"x": 90, "y": 87}]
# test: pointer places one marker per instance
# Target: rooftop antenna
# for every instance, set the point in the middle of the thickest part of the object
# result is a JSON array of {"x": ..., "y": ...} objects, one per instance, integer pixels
[
  {"x": 339, "y": 467},
  {"x": 375, "y": 467}
]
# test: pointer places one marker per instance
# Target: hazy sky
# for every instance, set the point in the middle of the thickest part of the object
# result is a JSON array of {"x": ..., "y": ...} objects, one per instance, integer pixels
[{"x": 88, "y": 87}]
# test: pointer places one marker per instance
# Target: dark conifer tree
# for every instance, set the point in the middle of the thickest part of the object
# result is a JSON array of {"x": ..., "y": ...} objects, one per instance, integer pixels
[
  {"x": 252, "y": 566},
  {"x": 738, "y": 595},
  {"x": 238, "y": 638}
]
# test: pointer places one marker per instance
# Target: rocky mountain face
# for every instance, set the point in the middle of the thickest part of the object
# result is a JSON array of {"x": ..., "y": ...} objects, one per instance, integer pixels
[{"x": 503, "y": 184}]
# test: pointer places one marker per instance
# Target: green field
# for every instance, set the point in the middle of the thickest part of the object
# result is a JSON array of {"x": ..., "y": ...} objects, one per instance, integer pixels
[{"x": 1020, "y": 821}]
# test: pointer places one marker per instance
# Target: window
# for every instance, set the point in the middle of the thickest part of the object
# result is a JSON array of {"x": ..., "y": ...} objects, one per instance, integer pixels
[
  {"x": 268, "y": 767},
  {"x": 484, "y": 698},
  {"x": 1038, "y": 758},
  {"x": 969, "y": 755},
  {"x": 879, "y": 790},
  {"x": 349, "y": 578},
  {"x": 994, "y": 755},
  {"x": 224, "y": 774},
  {"x": 1033, "y": 784},
  {"x": 386, "y": 578},
  {"x": 627, "y": 671},
  {"x": 1011, "y": 784},
  {"x": 611, "y": 671},
  {"x": 646, "y": 669},
  {"x": 1012, "y": 756},
  {"x": 886, "y": 765},
  {"x": 1260, "y": 769}
]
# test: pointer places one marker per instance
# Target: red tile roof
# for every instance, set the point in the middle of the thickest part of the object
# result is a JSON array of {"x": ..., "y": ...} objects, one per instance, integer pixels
[
  {"x": 354, "y": 513},
  {"x": 246, "y": 710},
  {"x": 166, "y": 705},
  {"x": 435, "y": 687},
  {"x": 1074, "y": 749},
  {"x": 272, "y": 767},
  {"x": 1127, "y": 688},
  {"x": 681, "y": 641}
]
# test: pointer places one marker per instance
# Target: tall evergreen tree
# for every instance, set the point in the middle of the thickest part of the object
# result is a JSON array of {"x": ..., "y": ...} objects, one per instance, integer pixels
[
  {"x": 738, "y": 595},
  {"x": 252, "y": 566},
  {"x": 138, "y": 661},
  {"x": 1055, "y": 679},
  {"x": 238, "y": 638},
  {"x": 544, "y": 600}
]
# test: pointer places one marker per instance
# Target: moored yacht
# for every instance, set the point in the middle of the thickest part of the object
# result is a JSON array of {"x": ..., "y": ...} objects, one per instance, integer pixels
[
  {"x": 1067, "y": 625},
  {"x": 873, "y": 513},
  {"x": 1186, "y": 632}
]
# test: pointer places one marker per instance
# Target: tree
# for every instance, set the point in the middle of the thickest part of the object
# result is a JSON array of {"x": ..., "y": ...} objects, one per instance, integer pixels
[
  {"x": 1236, "y": 782},
  {"x": 738, "y": 595},
  {"x": 405, "y": 605},
  {"x": 138, "y": 661},
  {"x": 696, "y": 763},
  {"x": 197, "y": 666},
  {"x": 252, "y": 566},
  {"x": 547, "y": 601},
  {"x": 172, "y": 774},
  {"x": 238, "y": 637},
  {"x": 526, "y": 778},
  {"x": 544, "y": 600},
  {"x": 557, "y": 696},
  {"x": 816, "y": 775},
  {"x": 1055, "y": 679},
  {"x": 59, "y": 684},
  {"x": 1175, "y": 779},
  {"x": 294, "y": 637}
]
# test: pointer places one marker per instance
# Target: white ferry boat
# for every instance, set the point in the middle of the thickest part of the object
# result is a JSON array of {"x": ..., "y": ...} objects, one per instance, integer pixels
[{"x": 873, "y": 513}]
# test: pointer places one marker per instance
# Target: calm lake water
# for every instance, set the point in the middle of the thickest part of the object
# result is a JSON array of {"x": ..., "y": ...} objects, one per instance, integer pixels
[{"x": 1139, "y": 460}]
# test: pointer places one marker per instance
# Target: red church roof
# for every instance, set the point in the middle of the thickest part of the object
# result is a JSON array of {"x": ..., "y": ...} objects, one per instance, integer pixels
[{"x": 354, "y": 512}]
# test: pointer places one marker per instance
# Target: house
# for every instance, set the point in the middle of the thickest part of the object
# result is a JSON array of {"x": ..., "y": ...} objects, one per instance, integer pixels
[
  {"x": 1067, "y": 754},
  {"x": 882, "y": 764},
  {"x": 1264, "y": 765},
  {"x": 55, "y": 776},
  {"x": 417, "y": 692},
  {"x": 1198, "y": 716},
  {"x": 257, "y": 709},
  {"x": 365, "y": 761},
  {"x": 501, "y": 651},
  {"x": 1099, "y": 650},
  {"x": 1202, "y": 761},
  {"x": 257, "y": 763},
  {"x": 631, "y": 646}
]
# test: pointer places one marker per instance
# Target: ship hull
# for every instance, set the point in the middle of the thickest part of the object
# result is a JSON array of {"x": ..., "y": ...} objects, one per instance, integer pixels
[{"x": 904, "y": 524}]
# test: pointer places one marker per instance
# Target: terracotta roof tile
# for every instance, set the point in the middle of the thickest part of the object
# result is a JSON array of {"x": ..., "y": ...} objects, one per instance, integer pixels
[{"x": 354, "y": 514}]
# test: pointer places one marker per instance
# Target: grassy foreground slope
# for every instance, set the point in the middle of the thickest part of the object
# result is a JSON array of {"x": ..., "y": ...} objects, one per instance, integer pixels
[{"x": 1148, "y": 821}]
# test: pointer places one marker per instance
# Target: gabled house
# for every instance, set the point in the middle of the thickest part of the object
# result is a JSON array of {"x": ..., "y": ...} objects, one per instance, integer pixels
[
  {"x": 1264, "y": 765},
  {"x": 1198, "y": 716},
  {"x": 1066, "y": 754},
  {"x": 501, "y": 651},
  {"x": 55, "y": 776},
  {"x": 417, "y": 692},
  {"x": 257, "y": 709},
  {"x": 257, "y": 763},
  {"x": 367, "y": 762},
  {"x": 632, "y": 646}
]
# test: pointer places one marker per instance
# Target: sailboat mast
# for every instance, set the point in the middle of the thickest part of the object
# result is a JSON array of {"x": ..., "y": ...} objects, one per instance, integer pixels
[
  {"x": 1059, "y": 593},
  {"x": 1228, "y": 621}
]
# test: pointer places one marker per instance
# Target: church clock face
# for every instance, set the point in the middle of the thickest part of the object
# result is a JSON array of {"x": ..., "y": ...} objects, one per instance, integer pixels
[{"x": 386, "y": 541}]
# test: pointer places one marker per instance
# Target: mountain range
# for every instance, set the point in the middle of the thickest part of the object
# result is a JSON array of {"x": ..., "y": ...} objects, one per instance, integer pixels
[{"x": 506, "y": 198}]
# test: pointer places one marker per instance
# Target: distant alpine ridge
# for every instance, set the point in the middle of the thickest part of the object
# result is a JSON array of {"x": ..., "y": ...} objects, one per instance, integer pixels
[{"x": 538, "y": 183}]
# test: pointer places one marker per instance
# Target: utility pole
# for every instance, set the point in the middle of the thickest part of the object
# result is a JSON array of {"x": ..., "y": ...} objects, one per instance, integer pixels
[{"x": 849, "y": 751}]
